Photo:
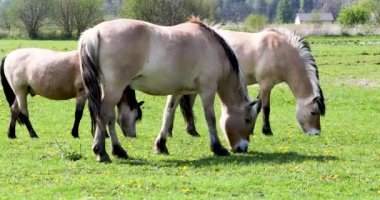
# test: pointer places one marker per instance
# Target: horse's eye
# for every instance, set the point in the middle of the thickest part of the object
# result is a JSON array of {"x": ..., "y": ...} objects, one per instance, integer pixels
[
  {"x": 247, "y": 121},
  {"x": 313, "y": 113}
]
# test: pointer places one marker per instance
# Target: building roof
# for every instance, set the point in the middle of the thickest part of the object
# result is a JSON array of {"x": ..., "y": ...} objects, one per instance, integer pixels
[{"x": 311, "y": 16}]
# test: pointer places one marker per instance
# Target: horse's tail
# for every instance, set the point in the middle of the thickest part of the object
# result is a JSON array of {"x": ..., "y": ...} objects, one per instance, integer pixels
[
  {"x": 9, "y": 94},
  {"x": 305, "y": 54},
  {"x": 89, "y": 62}
]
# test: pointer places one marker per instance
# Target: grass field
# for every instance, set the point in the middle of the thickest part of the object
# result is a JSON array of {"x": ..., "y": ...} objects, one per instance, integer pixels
[{"x": 342, "y": 163}]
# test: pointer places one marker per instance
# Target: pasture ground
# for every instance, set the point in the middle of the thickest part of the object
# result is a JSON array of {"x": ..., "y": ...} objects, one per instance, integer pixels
[{"x": 342, "y": 163}]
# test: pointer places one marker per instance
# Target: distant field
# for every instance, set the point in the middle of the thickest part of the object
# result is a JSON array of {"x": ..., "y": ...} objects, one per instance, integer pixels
[{"x": 342, "y": 163}]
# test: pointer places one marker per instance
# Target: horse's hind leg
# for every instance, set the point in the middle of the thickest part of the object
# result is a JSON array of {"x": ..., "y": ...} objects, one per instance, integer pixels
[
  {"x": 24, "y": 115},
  {"x": 171, "y": 104},
  {"x": 187, "y": 104},
  {"x": 15, "y": 111},
  {"x": 81, "y": 101},
  {"x": 208, "y": 106},
  {"x": 117, "y": 150},
  {"x": 265, "y": 100}
]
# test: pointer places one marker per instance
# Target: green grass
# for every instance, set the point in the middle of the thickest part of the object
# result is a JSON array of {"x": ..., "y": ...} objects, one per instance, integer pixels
[{"x": 342, "y": 163}]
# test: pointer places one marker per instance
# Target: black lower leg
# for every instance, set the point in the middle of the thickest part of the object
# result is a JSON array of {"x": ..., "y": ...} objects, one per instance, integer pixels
[
  {"x": 25, "y": 120},
  {"x": 161, "y": 146},
  {"x": 266, "y": 124},
  {"x": 78, "y": 117},
  {"x": 12, "y": 126}
]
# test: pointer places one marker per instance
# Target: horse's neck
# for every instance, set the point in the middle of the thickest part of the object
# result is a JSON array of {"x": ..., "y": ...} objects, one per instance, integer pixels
[
  {"x": 300, "y": 85},
  {"x": 231, "y": 91}
]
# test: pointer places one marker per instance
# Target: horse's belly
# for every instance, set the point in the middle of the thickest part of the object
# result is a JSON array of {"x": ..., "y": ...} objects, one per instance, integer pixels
[
  {"x": 164, "y": 86},
  {"x": 54, "y": 93}
]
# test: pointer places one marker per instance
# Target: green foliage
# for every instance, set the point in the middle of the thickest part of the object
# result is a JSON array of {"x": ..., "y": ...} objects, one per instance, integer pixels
[
  {"x": 284, "y": 12},
  {"x": 32, "y": 14},
  {"x": 351, "y": 16},
  {"x": 373, "y": 6},
  {"x": 168, "y": 12},
  {"x": 255, "y": 23},
  {"x": 342, "y": 163}
]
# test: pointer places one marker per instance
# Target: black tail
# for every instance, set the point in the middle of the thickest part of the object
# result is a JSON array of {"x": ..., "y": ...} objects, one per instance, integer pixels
[
  {"x": 9, "y": 94},
  {"x": 186, "y": 109},
  {"x": 88, "y": 49}
]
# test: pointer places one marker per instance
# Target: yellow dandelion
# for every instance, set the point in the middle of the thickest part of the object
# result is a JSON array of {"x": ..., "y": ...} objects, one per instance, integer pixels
[{"x": 185, "y": 190}]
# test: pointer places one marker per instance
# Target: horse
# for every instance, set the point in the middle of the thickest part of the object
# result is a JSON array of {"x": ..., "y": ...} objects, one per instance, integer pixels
[
  {"x": 163, "y": 60},
  {"x": 268, "y": 58},
  {"x": 54, "y": 75}
]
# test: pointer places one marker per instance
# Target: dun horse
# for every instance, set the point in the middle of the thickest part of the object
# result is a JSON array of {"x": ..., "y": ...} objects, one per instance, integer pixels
[
  {"x": 54, "y": 75},
  {"x": 183, "y": 59},
  {"x": 268, "y": 58}
]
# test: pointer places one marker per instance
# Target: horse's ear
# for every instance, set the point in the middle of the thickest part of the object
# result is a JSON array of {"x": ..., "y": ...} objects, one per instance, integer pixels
[
  {"x": 253, "y": 103},
  {"x": 139, "y": 104},
  {"x": 316, "y": 99}
]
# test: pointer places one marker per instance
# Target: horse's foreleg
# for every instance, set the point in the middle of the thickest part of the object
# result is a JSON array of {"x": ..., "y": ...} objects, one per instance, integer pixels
[
  {"x": 265, "y": 100},
  {"x": 208, "y": 107},
  {"x": 168, "y": 117},
  {"x": 78, "y": 115},
  {"x": 187, "y": 104}
]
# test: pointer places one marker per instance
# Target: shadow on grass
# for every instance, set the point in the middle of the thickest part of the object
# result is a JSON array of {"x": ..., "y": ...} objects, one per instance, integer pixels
[{"x": 249, "y": 158}]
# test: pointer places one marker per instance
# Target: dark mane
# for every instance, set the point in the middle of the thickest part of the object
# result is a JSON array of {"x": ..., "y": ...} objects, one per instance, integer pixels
[{"x": 227, "y": 49}]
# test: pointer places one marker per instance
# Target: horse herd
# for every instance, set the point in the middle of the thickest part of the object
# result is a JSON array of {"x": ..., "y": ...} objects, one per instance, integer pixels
[{"x": 117, "y": 57}]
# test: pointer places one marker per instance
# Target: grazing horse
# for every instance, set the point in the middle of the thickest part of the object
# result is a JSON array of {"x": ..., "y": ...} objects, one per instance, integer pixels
[
  {"x": 268, "y": 58},
  {"x": 53, "y": 75},
  {"x": 160, "y": 60}
]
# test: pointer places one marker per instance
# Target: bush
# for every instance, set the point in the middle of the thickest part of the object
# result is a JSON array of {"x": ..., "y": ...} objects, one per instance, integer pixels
[
  {"x": 352, "y": 16},
  {"x": 255, "y": 22}
]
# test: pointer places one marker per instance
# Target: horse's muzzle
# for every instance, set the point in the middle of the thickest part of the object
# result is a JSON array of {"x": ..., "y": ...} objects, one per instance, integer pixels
[
  {"x": 241, "y": 147},
  {"x": 313, "y": 132}
]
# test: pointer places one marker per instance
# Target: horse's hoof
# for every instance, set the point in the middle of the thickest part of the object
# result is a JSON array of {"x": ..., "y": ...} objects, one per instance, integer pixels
[
  {"x": 75, "y": 135},
  {"x": 160, "y": 147},
  {"x": 34, "y": 136},
  {"x": 10, "y": 136},
  {"x": 119, "y": 152},
  {"x": 219, "y": 150},
  {"x": 267, "y": 131},
  {"x": 103, "y": 158},
  {"x": 193, "y": 133}
]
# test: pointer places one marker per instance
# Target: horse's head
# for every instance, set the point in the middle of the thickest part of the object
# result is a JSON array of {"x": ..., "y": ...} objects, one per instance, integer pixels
[
  {"x": 237, "y": 124},
  {"x": 309, "y": 112},
  {"x": 127, "y": 118}
]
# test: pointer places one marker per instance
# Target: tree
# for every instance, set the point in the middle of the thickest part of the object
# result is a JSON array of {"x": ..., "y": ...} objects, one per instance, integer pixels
[
  {"x": 306, "y": 6},
  {"x": 168, "y": 12},
  {"x": 64, "y": 16},
  {"x": 373, "y": 7},
  {"x": 354, "y": 15},
  {"x": 255, "y": 22},
  {"x": 284, "y": 12},
  {"x": 5, "y": 16},
  {"x": 86, "y": 13},
  {"x": 32, "y": 13}
]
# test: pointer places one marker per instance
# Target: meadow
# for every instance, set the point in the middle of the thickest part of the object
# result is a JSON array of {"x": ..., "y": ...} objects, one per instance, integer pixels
[{"x": 342, "y": 163}]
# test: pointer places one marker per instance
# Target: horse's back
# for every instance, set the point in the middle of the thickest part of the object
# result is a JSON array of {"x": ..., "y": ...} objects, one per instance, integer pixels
[
  {"x": 263, "y": 56},
  {"x": 51, "y": 74},
  {"x": 160, "y": 60}
]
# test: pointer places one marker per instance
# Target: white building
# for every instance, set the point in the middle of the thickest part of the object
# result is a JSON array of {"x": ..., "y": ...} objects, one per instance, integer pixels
[{"x": 302, "y": 18}]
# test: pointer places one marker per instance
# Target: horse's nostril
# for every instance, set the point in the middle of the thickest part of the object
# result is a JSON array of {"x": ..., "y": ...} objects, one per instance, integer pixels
[{"x": 241, "y": 150}]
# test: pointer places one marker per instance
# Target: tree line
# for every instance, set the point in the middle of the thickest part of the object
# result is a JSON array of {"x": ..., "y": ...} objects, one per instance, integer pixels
[{"x": 74, "y": 16}]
